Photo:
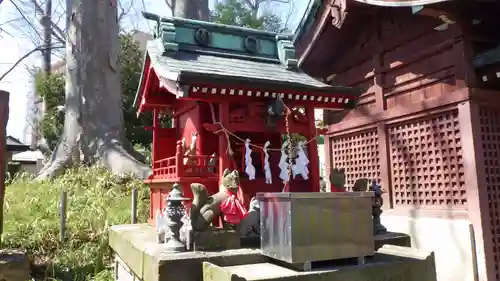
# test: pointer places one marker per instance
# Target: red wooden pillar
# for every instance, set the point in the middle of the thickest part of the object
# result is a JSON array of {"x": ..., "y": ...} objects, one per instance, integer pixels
[
  {"x": 477, "y": 197},
  {"x": 312, "y": 151},
  {"x": 179, "y": 159},
  {"x": 224, "y": 158},
  {"x": 154, "y": 193},
  {"x": 4, "y": 116},
  {"x": 327, "y": 146},
  {"x": 156, "y": 126},
  {"x": 385, "y": 167}
]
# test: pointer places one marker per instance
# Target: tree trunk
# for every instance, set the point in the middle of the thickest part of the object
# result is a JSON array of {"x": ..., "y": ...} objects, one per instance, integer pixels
[
  {"x": 191, "y": 9},
  {"x": 93, "y": 124},
  {"x": 46, "y": 22}
]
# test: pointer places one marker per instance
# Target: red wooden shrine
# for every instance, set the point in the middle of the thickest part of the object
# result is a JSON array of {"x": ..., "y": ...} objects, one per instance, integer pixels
[{"x": 221, "y": 85}]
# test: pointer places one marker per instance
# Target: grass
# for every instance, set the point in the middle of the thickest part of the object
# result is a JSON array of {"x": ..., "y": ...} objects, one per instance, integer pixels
[{"x": 96, "y": 200}]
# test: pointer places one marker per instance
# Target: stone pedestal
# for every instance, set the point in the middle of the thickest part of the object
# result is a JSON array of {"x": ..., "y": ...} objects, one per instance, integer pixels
[
  {"x": 389, "y": 263},
  {"x": 213, "y": 240},
  {"x": 141, "y": 258},
  {"x": 14, "y": 266}
]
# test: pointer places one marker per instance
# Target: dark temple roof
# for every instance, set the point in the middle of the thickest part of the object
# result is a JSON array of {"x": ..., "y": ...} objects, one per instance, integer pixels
[{"x": 13, "y": 144}]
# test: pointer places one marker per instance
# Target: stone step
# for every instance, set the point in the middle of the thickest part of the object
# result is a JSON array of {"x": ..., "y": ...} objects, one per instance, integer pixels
[
  {"x": 14, "y": 265},
  {"x": 390, "y": 263}
]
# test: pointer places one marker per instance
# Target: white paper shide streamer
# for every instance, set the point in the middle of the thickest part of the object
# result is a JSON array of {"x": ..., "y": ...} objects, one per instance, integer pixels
[
  {"x": 162, "y": 228},
  {"x": 283, "y": 165},
  {"x": 267, "y": 167},
  {"x": 300, "y": 166},
  {"x": 249, "y": 168}
]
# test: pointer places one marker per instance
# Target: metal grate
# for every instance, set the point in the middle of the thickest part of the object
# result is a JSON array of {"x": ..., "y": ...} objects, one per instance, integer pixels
[
  {"x": 426, "y": 162},
  {"x": 489, "y": 119},
  {"x": 358, "y": 154}
]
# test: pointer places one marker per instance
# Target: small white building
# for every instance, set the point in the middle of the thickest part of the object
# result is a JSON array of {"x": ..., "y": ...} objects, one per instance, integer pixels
[{"x": 29, "y": 161}]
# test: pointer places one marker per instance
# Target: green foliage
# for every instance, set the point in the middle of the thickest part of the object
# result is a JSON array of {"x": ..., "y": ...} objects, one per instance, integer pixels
[
  {"x": 131, "y": 59},
  {"x": 239, "y": 13},
  {"x": 51, "y": 89},
  {"x": 320, "y": 124},
  {"x": 96, "y": 200},
  {"x": 145, "y": 151}
]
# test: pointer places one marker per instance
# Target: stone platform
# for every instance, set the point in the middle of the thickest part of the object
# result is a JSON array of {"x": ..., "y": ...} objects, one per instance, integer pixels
[
  {"x": 139, "y": 254},
  {"x": 140, "y": 257},
  {"x": 14, "y": 265},
  {"x": 389, "y": 263}
]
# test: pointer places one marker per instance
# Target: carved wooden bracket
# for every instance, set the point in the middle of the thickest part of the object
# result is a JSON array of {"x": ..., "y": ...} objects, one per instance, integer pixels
[{"x": 338, "y": 11}]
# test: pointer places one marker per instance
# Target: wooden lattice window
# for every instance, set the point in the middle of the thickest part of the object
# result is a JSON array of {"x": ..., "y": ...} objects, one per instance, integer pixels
[
  {"x": 358, "y": 154},
  {"x": 489, "y": 119},
  {"x": 426, "y": 162}
]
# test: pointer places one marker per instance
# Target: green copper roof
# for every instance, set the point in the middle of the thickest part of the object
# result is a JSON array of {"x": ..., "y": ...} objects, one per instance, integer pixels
[
  {"x": 188, "y": 50},
  {"x": 183, "y": 45},
  {"x": 178, "y": 65},
  {"x": 183, "y": 35}
]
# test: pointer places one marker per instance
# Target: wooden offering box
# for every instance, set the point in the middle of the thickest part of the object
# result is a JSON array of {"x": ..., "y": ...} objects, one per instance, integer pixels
[{"x": 308, "y": 227}]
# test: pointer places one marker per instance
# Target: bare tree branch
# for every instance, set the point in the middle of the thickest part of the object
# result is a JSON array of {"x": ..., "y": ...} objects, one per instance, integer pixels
[
  {"x": 280, "y": 1},
  {"x": 6, "y": 32},
  {"x": 170, "y": 4},
  {"x": 10, "y": 21},
  {"x": 39, "y": 48},
  {"x": 288, "y": 16},
  {"x": 124, "y": 11},
  {"x": 57, "y": 32},
  {"x": 255, "y": 5},
  {"x": 25, "y": 19}
]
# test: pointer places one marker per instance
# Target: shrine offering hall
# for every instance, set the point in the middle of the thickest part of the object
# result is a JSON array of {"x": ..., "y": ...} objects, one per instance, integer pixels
[{"x": 427, "y": 125}]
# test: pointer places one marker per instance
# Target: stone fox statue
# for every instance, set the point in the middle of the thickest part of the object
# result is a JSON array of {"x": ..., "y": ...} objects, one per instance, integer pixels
[{"x": 206, "y": 208}]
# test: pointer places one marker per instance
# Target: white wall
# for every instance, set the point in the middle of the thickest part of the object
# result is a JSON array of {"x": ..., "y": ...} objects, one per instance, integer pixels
[{"x": 450, "y": 239}]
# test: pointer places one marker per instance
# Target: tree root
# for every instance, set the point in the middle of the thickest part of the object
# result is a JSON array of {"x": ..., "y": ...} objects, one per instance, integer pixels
[
  {"x": 134, "y": 153},
  {"x": 112, "y": 155},
  {"x": 61, "y": 158},
  {"x": 55, "y": 166},
  {"x": 119, "y": 161}
]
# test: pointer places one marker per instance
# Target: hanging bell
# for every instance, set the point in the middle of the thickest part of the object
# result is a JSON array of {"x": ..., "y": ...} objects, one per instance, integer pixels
[{"x": 275, "y": 110}]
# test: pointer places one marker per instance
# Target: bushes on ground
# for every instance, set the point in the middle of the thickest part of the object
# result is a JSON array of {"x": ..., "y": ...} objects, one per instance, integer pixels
[{"x": 96, "y": 200}]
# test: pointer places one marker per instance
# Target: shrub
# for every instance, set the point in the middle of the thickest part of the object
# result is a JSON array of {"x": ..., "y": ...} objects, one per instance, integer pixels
[{"x": 96, "y": 200}]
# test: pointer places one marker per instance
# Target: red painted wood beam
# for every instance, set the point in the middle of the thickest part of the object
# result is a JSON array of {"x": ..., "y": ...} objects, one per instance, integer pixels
[
  {"x": 145, "y": 90},
  {"x": 296, "y": 99},
  {"x": 255, "y": 128},
  {"x": 161, "y": 98}
]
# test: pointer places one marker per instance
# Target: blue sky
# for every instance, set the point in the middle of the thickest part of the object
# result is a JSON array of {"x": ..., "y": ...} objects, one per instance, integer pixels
[{"x": 13, "y": 45}]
